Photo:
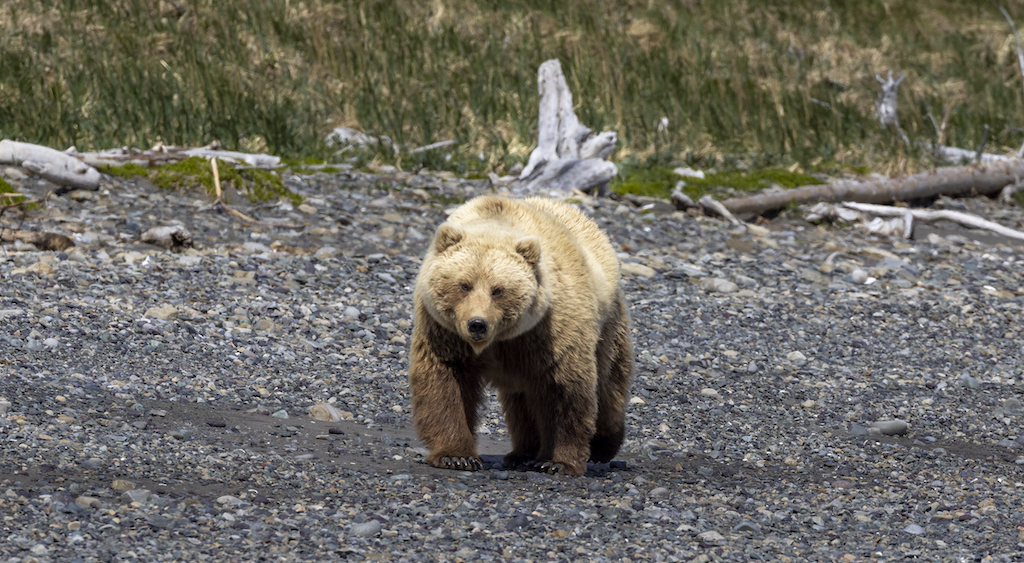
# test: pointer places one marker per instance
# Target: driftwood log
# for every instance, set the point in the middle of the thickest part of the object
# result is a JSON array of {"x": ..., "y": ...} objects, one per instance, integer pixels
[
  {"x": 42, "y": 241},
  {"x": 982, "y": 179},
  {"x": 568, "y": 154},
  {"x": 903, "y": 218},
  {"x": 60, "y": 168},
  {"x": 164, "y": 154}
]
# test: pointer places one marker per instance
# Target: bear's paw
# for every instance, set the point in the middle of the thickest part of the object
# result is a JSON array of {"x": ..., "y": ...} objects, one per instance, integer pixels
[{"x": 467, "y": 463}]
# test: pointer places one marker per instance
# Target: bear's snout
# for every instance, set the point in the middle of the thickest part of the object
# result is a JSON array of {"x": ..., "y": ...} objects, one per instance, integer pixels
[{"x": 477, "y": 327}]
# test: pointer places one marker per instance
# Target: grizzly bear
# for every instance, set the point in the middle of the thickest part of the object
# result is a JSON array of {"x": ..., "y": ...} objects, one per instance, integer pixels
[{"x": 522, "y": 295}]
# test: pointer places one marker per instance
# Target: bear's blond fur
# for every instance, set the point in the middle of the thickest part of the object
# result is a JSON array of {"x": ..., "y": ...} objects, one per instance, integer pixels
[{"x": 522, "y": 295}]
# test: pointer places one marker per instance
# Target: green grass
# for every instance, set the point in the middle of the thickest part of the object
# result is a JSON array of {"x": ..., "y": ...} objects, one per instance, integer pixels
[
  {"x": 195, "y": 172},
  {"x": 763, "y": 85}
]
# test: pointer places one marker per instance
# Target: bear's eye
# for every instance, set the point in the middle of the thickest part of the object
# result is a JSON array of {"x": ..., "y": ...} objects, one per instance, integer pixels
[
  {"x": 496, "y": 291},
  {"x": 466, "y": 287}
]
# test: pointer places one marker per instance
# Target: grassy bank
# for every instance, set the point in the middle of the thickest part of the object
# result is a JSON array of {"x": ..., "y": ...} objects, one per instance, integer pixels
[{"x": 741, "y": 83}]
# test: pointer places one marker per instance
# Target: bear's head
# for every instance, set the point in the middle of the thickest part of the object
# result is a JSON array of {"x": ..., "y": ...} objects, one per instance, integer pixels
[{"x": 484, "y": 284}]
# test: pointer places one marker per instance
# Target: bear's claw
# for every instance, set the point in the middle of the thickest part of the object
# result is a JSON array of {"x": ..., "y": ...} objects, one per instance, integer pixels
[
  {"x": 460, "y": 463},
  {"x": 551, "y": 467}
]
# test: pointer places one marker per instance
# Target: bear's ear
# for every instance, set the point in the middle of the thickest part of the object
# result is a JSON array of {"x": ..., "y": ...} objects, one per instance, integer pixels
[
  {"x": 529, "y": 248},
  {"x": 447, "y": 235}
]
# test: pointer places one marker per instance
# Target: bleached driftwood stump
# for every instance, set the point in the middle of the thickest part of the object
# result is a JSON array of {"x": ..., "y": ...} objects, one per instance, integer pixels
[{"x": 568, "y": 154}]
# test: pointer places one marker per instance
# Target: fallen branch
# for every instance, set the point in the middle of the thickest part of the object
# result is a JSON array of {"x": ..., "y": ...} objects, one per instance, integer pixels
[
  {"x": 41, "y": 240},
  {"x": 432, "y": 146},
  {"x": 984, "y": 179},
  {"x": 50, "y": 164},
  {"x": 956, "y": 155},
  {"x": 843, "y": 211},
  {"x": 162, "y": 154},
  {"x": 709, "y": 204}
]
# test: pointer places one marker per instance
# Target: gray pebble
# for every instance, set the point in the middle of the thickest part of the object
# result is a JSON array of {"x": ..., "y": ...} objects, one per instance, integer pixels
[
  {"x": 1013, "y": 406},
  {"x": 894, "y": 427},
  {"x": 746, "y": 526},
  {"x": 914, "y": 529},
  {"x": 518, "y": 522},
  {"x": 658, "y": 492},
  {"x": 366, "y": 529},
  {"x": 718, "y": 285},
  {"x": 280, "y": 414}
]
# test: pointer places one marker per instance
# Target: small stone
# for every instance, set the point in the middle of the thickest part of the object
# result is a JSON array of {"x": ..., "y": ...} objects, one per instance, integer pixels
[
  {"x": 632, "y": 269},
  {"x": 229, "y": 499},
  {"x": 328, "y": 413},
  {"x": 659, "y": 492},
  {"x": 858, "y": 430},
  {"x": 87, "y": 501},
  {"x": 709, "y": 392},
  {"x": 165, "y": 313},
  {"x": 351, "y": 313},
  {"x": 136, "y": 495},
  {"x": 175, "y": 237},
  {"x": 859, "y": 276},
  {"x": 122, "y": 485},
  {"x": 718, "y": 285},
  {"x": 894, "y": 427},
  {"x": 325, "y": 252},
  {"x": 914, "y": 529},
  {"x": 366, "y": 529},
  {"x": 518, "y": 522},
  {"x": 51, "y": 342},
  {"x": 710, "y": 536},
  {"x": 283, "y": 414},
  {"x": 1013, "y": 406},
  {"x": 796, "y": 356},
  {"x": 746, "y": 526},
  {"x": 307, "y": 209}
]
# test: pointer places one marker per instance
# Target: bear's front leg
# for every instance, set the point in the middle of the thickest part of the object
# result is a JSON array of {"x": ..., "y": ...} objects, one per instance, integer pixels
[
  {"x": 445, "y": 399},
  {"x": 572, "y": 403}
]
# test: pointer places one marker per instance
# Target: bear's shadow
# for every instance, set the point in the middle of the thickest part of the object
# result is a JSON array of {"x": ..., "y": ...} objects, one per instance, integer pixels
[{"x": 494, "y": 462}]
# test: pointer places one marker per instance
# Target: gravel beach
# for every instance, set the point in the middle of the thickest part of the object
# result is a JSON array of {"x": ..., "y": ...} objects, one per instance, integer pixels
[{"x": 802, "y": 393}]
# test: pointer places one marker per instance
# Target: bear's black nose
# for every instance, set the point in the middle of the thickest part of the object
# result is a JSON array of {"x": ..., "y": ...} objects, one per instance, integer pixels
[{"x": 477, "y": 328}]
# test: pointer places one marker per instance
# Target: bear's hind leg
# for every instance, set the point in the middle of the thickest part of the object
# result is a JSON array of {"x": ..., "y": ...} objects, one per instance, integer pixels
[
  {"x": 615, "y": 372},
  {"x": 522, "y": 428}
]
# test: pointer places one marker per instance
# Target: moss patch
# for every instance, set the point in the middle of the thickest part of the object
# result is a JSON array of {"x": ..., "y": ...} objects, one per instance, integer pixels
[
  {"x": 659, "y": 181},
  {"x": 747, "y": 181},
  {"x": 6, "y": 188},
  {"x": 258, "y": 185},
  {"x": 130, "y": 170}
]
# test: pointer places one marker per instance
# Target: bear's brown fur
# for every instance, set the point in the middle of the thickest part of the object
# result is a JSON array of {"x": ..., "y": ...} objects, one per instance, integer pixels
[{"x": 522, "y": 295}]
